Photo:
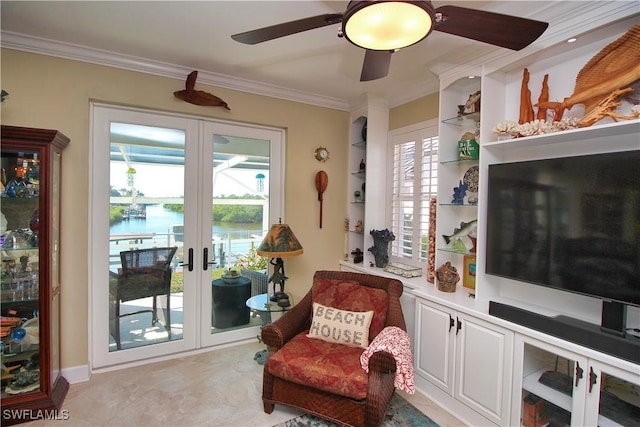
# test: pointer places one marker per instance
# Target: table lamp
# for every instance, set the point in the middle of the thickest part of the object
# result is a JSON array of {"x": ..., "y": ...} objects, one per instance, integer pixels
[{"x": 280, "y": 242}]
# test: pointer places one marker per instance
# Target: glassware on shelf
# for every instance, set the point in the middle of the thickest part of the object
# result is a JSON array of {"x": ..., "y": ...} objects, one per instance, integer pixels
[
  {"x": 17, "y": 187},
  {"x": 33, "y": 171}
]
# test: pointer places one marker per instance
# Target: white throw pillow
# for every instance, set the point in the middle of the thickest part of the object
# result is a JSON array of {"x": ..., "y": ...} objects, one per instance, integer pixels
[{"x": 340, "y": 326}]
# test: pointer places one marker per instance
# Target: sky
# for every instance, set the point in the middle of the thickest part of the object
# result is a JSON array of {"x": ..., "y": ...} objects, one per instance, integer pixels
[{"x": 168, "y": 180}]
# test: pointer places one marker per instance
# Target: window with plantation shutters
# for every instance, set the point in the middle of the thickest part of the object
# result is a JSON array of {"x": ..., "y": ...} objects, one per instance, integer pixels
[{"x": 414, "y": 169}]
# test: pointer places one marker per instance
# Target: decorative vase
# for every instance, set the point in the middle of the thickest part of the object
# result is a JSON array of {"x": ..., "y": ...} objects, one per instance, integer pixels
[
  {"x": 380, "y": 248},
  {"x": 447, "y": 277}
]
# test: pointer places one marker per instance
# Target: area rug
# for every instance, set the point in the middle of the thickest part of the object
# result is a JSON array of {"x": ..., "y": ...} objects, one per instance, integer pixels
[{"x": 400, "y": 414}]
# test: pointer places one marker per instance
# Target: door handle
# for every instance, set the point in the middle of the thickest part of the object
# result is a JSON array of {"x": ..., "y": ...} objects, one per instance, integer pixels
[
  {"x": 189, "y": 265},
  {"x": 205, "y": 259},
  {"x": 451, "y": 323},
  {"x": 458, "y": 326}
]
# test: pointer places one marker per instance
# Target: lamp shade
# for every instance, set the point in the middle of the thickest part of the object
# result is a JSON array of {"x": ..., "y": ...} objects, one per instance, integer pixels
[
  {"x": 387, "y": 25},
  {"x": 280, "y": 242}
]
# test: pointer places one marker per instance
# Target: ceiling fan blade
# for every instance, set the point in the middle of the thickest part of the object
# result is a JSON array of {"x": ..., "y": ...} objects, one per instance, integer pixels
[
  {"x": 287, "y": 28},
  {"x": 376, "y": 65},
  {"x": 497, "y": 29}
]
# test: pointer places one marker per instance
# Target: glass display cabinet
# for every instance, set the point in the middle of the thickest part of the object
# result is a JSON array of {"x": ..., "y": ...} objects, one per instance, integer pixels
[{"x": 32, "y": 386}]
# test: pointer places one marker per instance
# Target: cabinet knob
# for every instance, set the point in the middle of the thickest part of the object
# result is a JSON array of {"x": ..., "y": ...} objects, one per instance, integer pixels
[
  {"x": 579, "y": 372},
  {"x": 593, "y": 379}
]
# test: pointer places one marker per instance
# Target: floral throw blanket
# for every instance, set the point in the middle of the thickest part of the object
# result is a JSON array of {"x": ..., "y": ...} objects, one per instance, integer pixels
[{"x": 396, "y": 342}]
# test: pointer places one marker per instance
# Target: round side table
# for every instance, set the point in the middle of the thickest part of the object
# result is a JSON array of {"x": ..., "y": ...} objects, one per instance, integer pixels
[{"x": 264, "y": 308}]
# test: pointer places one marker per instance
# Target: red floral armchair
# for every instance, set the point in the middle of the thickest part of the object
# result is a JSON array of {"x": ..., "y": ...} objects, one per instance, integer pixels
[{"x": 326, "y": 378}]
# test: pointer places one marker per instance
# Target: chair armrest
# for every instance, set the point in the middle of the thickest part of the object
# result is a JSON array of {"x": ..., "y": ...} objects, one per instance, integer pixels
[
  {"x": 294, "y": 321},
  {"x": 395, "y": 317},
  {"x": 382, "y": 362}
]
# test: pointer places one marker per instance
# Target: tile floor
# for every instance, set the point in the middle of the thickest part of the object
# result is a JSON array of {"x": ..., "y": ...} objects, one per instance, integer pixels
[{"x": 218, "y": 388}]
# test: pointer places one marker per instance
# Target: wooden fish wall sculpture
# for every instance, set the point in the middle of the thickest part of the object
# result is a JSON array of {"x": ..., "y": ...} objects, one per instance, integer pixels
[
  {"x": 198, "y": 97},
  {"x": 611, "y": 73}
]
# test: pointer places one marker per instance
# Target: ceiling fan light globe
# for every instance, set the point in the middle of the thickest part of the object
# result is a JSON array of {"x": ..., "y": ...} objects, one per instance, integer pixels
[{"x": 387, "y": 25}]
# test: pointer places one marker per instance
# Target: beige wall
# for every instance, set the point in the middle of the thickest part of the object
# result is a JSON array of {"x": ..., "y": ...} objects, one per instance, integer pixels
[
  {"x": 52, "y": 93},
  {"x": 47, "y": 92},
  {"x": 417, "y": 111}
]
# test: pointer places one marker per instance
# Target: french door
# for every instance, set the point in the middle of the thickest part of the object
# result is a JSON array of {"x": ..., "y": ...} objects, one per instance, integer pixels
[{"x": 155, "y": 183}]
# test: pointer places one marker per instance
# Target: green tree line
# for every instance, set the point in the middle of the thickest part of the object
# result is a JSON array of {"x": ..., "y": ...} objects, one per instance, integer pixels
[{"x": 239, "y": 214}]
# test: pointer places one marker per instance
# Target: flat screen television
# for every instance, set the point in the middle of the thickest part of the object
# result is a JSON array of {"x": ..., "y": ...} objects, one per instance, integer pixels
[{"x": 571, "y": 224}]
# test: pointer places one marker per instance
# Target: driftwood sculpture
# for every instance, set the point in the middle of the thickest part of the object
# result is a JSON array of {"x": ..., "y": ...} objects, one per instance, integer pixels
[
  {"x": 544, "y": 97},
  {"x": 198, "y": 97},
  {"x": 616, "y": 67},
  {"x": 526, "y": 109}
]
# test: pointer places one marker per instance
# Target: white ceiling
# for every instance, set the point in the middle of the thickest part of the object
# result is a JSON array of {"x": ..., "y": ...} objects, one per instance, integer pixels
[{"x": 175, "y": 37}]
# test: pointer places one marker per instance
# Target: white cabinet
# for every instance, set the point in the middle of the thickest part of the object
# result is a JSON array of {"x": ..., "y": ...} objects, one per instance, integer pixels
[
  {"x": 466, "y": 357},
  {"x": 561, "y": 387}
]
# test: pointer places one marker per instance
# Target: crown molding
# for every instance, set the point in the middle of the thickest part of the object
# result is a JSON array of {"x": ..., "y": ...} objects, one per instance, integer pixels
[{"x": 26, "y": 43}]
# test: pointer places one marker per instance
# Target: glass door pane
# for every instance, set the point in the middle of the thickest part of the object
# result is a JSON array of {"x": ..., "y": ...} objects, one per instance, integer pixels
[
  {"x": 551, "y": 393},
  {"x": 237, "y": 216},
  {"x": 616, "y": 391},
  {"x": 146, "y": 234},
  {"x": 142, "y": 224}
]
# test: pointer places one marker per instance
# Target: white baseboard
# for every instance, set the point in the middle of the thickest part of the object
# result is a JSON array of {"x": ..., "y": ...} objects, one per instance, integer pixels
[{"x": 76, "y": 374}]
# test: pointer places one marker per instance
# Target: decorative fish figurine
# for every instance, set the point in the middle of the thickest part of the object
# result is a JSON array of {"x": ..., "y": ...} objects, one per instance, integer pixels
[
  {"x": 466, "y": 229},
  {"x": 616, "y": 66},
  {"x": 198, "y": 97}
]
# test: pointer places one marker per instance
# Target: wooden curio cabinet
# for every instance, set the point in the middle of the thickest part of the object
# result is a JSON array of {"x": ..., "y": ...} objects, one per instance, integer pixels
[{"x": 32, "y": 386}]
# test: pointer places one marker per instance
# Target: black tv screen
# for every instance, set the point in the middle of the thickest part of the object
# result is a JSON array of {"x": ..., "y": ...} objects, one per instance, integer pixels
[{"x": 568, "y": 223}]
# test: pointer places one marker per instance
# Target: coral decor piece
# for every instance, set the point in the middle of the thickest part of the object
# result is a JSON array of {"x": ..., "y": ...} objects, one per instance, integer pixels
[
  {"x": 615, "y": 67},
  {"x": 198, "y": 97},
  {"x": 380, "y": 248},
  {"x": 526, "y": 109},
  {"x": 512, "y": 129}
]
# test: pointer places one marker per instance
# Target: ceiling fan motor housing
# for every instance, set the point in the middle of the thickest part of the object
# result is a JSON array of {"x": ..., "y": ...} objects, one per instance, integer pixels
[{"x": 381, "y": 26}]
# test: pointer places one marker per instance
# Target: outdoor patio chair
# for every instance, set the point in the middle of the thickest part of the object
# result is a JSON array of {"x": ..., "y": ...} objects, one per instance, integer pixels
[
  {"x": 145, "y": 273},
  {"x": 259, "y": 281}
]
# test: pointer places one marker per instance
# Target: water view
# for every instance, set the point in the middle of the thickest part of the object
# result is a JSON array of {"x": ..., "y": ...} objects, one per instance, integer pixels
[{"x": 164, "y": 227}]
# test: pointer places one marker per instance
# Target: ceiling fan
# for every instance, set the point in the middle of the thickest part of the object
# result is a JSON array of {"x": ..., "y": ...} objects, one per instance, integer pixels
[{"x": 384, "y": 26}]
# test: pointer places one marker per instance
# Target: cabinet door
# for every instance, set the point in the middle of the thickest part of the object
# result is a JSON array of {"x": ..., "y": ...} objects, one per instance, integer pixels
[
  {"x": 435, "y": 325},
  {"x": 483, "y": 367},
  {"x": 612, "y": 396},
  {"x": 553, "y": 384}
]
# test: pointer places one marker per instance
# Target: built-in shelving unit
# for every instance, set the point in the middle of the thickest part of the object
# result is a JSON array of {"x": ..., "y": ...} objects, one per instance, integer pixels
[
  {"x": 534, "y": 352},
  {"x": 451, "y": 214},
  {"x": 357, "y": 186}
]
